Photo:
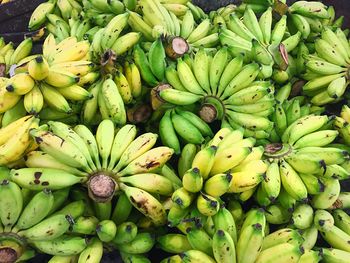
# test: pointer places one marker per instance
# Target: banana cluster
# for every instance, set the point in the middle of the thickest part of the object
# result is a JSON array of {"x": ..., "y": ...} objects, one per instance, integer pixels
[
  {"x": 305, "y": 164},
  {"x": 326, "y": 71},
  {"x": 15, "y": 140},
  {"x": 307, "y": 17},
  {"x": 65, "y": 9},
  {"x": 107, "y": 162},
  {"x": 260, "y": 40},
  {"x": 52, "y": 78},
  {"x": 179, "y": 21},
  {"x": 185, "y": 124},
  {"x": 37, "y": 220},
  {"x": 10, "y": 55},
  {"x": 227, "y": 89},
  {"x": 227, "y": 164}
]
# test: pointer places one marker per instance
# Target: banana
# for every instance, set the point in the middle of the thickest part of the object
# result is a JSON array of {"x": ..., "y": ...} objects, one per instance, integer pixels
[
  {"x": 33, "y": 101},
  {"x": 251, "y": 22},
  {"x": 152, "y": 183},
  {"x": 204, "y": 161},
  {"x": 329, "y": 53},
  {"x": 284, "y": 235},
  {"x": 337, "y": 88},
  {"x": 309, "y": 9},
  {"x": 90, "y": 142},
  {"x": 333, "y": 255},
  {"x": 23, "y": 50},
  {"x": 302, "y": 127},
  {"x": 201, "y": 69},
  {"x": 167, "y": 133},
  {"x": 186, "y": 130},
  {"x": 125, "y": 43},
  {"x": 302, "y": 216},
  {"x": 292, "y": 182},
  {"x": 188, "y": 153},
  {"x": 11, "y": 203},
  {"x": 152, "y": 209},
  {"x": 341, "y": 220},
  {"x": 54, "y": 98},
  {"x": 337, "y": 238},
  {"x": 16, "y": 145},
  {"x": 20, "y": 84},
  {"x": 113, "y": 102},
  {"x": 38, "y": 17},
  {"x": 276, "y": 214},
  {"x": 188, "y": 78},
  {"x": 135, "y": 148},
  {"x": 142, "y": 63},
  {"x": 207, "y": 205},
  {"x": 178, "y": 97},
  {"x": 330, "y": 194},
  {"x": 249, "y": 243},
  {"x": 310, "y": 237},
  {"x": 142, "y": 243},
  {"x": 62, "y": 246},
  {"x": 126, "y": 232},
  {"x": 85, "y": 225},
  {"x": 156, "y": 58},
  {"x": 323, "y": 67},
  {"x": 200, "y": 31},
  {"x": 243, "y": 79},
  {"x": 36, "y": 210},
  {"x": 174, "y": 243},
  {"x": 218, "y": 184},
  {"x": 226, "y": 160},
  {"x": 316, "y": 139},
  {"x": 283, "y": 252},
  {"x": 106, "y": 230},
  {"x": 223, "y": 247},
  {"x": 196, "y": 256},
  {"x": 313, "y": 184},
  {"x": 217, "y": 67},
  {"x": 200, "y": 240},
  {"x": 224, "y": 220},
  {"x": 48, "y": 229},
  {"x": 63, "y": 150},
  {"x": 92, "y": 253},
  {"x": 40, "y": 178}
]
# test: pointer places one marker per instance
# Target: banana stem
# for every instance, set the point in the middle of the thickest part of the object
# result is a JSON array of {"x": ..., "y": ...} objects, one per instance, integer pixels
[
  {"x": 139, "y": 113},
  {"x": 277, "y": 150},
  {"x": 101, "y": 187},
  {"x": 176, "y": 47},
  {"x": 212, "y": 109}
]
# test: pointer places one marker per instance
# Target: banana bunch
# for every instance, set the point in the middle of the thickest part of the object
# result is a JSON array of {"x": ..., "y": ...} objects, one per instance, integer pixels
[
  {"x": 107, "y": 162},
  {"x": 226, "y": 89},
  {"x": 10, "y": 56},
  {"x": 306, "y": 17},
  {"x": 303, "y": 163},
  {"x": 289, "y": 110},
  {"x": 64, "y": 9},
  {"x": 184, "y": 25},
  {"x": 326, "y": 70},
  {"x": 36, "y": 219},
  {"x": 111, "y": 37},
  {"x": 226, "y": 164},
  {"x": 101, "y": 12},
  {"x": 15, "y": 139},
  {"x": 185, "y": 124},
  {"x": 74, "y": 27},
  {"x": 53, "y": 78},
  {"x": 261, "y": 40},
  {"x": 111, "y": 94}
]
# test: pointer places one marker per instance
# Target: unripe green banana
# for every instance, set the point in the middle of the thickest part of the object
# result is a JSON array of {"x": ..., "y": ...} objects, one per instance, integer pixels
[
  {"x": 36, "y": 210},
  {"x": 92, "y": 253},
  {"x": 126, "y": 232},
  {"x": 106, "y": 230}
]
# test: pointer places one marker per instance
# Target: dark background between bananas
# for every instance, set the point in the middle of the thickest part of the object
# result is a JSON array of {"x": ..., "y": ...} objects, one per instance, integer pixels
[{"x": 14, "y": 18}]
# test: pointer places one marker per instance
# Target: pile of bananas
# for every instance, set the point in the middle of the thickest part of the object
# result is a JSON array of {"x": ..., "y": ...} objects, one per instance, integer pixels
[{"x": 167, "y": 134}]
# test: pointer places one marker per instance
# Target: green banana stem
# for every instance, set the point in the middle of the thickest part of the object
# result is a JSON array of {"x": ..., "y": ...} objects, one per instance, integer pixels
[
  {"x": 212, "y": 109},
  {"x": 11, "y": 247},
  {"x": 277, "y": 150}
]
